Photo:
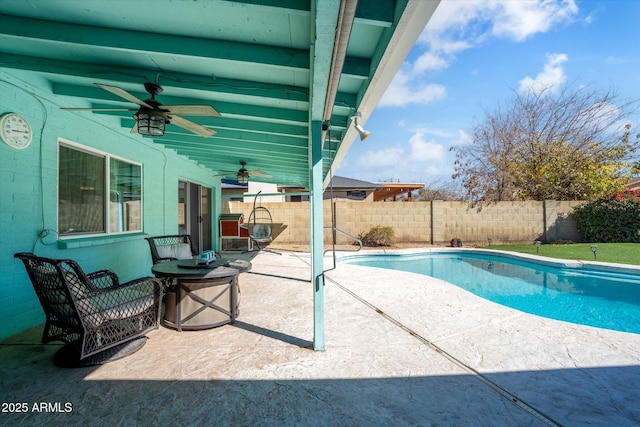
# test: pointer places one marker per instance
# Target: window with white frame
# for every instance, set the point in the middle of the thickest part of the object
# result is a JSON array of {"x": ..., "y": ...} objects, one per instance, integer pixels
[{"x": 97, "y": 193}]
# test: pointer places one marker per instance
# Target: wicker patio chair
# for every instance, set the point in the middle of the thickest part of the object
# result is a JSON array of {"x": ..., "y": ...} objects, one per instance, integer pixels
[
  {"x": 98, "y": 318},
  {"x": 169, "y": 248}
]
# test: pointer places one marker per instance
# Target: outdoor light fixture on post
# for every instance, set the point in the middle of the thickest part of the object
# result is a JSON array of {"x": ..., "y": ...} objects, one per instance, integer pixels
[
  {"x": 594, "y": 248},
  {"x": 537, "y": 243},
  {"x": 364, "y": 134}
]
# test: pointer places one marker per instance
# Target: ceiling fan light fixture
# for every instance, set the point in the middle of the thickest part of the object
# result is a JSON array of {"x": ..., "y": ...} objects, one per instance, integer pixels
[
  {"x": 242, "y": 178},
  {"x": 150, "y": 122}
]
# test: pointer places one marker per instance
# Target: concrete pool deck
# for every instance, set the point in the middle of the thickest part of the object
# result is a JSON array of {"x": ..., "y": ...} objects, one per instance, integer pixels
[{"x": 401, "y": 349}]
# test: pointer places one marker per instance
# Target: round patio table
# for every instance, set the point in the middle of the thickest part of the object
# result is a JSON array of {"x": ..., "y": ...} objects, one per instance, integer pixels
[{"x": 205, "y": 296}]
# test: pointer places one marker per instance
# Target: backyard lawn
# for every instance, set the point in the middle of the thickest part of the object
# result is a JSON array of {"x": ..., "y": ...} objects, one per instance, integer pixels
[{"x": 623, "y": 253}]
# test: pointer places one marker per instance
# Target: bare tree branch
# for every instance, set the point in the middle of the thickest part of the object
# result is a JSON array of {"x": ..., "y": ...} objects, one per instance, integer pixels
[{"x": 573, "y": 144}]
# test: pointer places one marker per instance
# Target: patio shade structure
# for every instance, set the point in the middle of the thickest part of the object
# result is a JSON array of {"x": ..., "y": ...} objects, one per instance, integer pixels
[
  {"x": 286, "y": 76},
  {"x": 391, "y": 190}
]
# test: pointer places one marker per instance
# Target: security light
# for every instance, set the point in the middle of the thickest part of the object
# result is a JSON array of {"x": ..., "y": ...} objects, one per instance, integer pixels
[{"x": 364, "y": 134}]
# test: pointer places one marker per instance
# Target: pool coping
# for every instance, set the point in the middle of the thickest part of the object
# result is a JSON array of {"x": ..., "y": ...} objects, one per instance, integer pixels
[
  {"x": 575, "y": 374},
  {"x": 599, "y": 266}
]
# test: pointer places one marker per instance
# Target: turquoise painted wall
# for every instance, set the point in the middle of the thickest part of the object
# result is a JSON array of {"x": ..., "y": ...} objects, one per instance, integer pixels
[{"x": 28, "y": 192}]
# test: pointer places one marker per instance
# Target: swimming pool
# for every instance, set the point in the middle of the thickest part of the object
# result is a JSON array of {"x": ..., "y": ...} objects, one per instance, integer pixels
[{"x": 600, "y": 297}]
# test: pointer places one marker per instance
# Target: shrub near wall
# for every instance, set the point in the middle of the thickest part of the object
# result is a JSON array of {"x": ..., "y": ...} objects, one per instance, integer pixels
[
  {"x": 611, "y": 219},
  {"x": 378, "y": 236}
]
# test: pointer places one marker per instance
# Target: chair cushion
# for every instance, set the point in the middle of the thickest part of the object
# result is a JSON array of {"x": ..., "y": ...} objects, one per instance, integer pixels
[
  {"x": 261, "y": 231},
  {"x": 177, "y": 251},
  {"x": 104, "y": 310}
]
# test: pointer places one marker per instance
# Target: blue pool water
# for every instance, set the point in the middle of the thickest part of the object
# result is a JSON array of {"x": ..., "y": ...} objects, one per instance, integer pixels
[{"x": 578, "y": 295}]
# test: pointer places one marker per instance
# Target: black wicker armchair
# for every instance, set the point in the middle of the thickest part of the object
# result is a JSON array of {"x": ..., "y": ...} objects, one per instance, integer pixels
[
  {"x": 169, "y": 248},
  {"x": 98, "y": 318}
]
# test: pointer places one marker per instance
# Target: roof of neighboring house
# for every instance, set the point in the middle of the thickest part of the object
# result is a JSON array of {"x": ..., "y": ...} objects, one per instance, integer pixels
[
  {"x": 634, "y": 183},
  {"x": 342, "y": 183},
  {"x": 228, "y": 184}
]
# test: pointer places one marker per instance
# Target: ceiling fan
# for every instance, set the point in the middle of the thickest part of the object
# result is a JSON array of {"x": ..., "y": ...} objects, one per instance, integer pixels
[
  {"x": 152, "y": 117},
  {"x": 243, "y": 174}
]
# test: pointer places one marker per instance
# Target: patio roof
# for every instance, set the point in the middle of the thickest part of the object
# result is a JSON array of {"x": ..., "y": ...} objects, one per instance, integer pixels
[
  {"x": 391, "y": 190},
  {"x": 270, "y": 67}
]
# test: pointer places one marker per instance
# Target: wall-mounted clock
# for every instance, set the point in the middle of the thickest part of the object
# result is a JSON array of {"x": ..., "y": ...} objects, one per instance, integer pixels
[{"x": 15, "y": 131}]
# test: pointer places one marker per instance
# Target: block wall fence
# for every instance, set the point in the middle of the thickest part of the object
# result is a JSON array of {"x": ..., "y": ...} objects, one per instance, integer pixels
[{"x": 435, "y": 222}]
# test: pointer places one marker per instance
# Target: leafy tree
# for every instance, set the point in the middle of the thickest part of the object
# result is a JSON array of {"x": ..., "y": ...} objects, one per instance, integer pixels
[{"x": 569, "y": 145}]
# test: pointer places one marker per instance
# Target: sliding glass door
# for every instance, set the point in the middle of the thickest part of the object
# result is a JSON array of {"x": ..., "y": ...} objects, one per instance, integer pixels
[{"x": 194, "y": 213}]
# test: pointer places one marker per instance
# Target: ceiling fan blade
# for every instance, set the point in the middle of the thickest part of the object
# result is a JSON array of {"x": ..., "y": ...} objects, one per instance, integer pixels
[
  {"x": 260, "y": 174},
  {"x": 134, "y": 129},
  {"x": 191, "y": 126},
  {"x": 97, "y": 109},
  {"x": 123, "y": 94},
  {"x": 191, "y": 110}
]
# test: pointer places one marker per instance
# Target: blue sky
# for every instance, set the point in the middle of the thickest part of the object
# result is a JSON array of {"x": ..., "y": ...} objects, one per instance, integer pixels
[{"x": 473, "y": 55}]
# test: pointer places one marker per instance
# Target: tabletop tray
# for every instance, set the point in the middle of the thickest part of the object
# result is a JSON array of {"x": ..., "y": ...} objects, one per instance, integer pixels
[{"x": 192, "y": 263}]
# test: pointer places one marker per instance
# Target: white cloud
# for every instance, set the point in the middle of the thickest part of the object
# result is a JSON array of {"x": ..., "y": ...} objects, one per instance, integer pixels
[
  {"x": 614, "y": 60},
  {"x": 433, "y": 171},
  {"x": 406, "y": 162},
  {"x": 429, "y": 61},
  {"x": 458, "y": 25},
  {"x": 440, "y": 133},
  {"x": 588, "y": 20},
  {"x": 609, "y": 116},
  {"x": 402, "y": 91},
  {"x": 519, "y": 20},
  {"x": 463, "y": 138},
  {"x": 550, "y": 78},
  {"x": 382, "y": 158},
  {"x": 422, "y": 150}
]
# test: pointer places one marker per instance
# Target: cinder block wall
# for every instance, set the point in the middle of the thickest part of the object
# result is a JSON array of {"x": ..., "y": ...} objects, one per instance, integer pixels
[
  {"x": 410, "y": 221},
  {"x": 434, "y": 222},
  {"x": 559, "y": 223},
  {"x": 294, "y": 215},
  {"x": 506, "y": 222}
]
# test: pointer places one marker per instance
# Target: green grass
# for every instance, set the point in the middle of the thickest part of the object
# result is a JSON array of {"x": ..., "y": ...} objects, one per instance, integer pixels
[{"x": 622, "y": 253}]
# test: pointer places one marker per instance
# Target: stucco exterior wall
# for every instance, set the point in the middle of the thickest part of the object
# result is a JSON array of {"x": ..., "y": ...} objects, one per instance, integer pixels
[{"x": 28, "y": 195}]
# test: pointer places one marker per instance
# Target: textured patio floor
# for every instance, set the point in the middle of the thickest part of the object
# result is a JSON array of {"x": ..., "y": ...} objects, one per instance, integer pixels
[{"x": 401, "y": 349}]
